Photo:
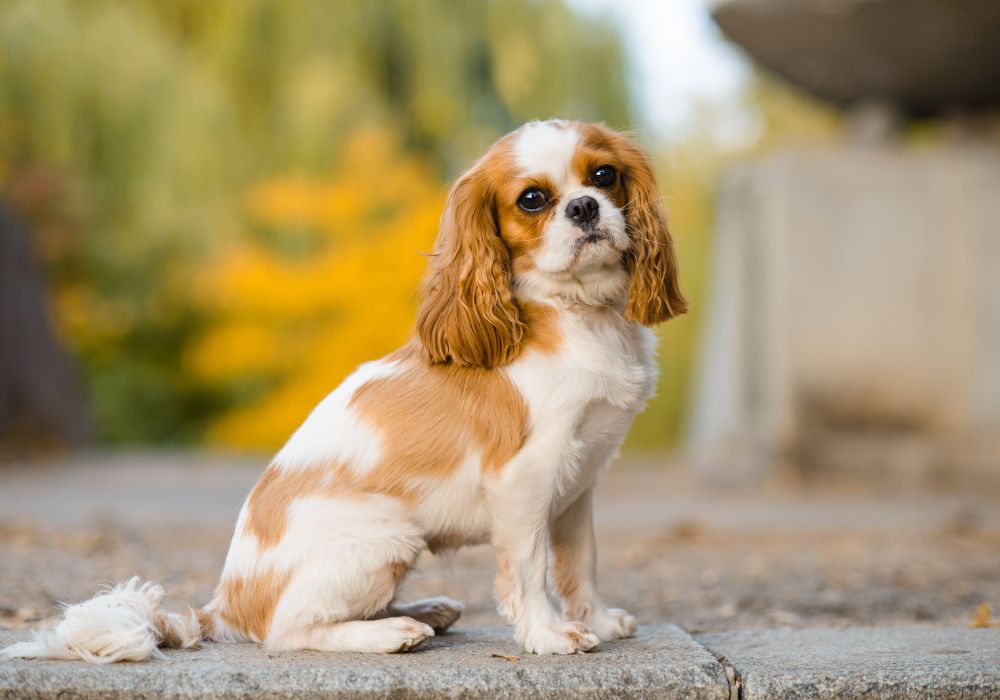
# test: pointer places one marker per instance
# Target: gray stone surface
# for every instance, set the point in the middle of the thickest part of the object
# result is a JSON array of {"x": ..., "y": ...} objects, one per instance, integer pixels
[
  {"x": 905, "y": 662},
  {"x": 662, "y": 661},
  {"x": 855, "y": 317},
  {"x": 669, "y": 550}
]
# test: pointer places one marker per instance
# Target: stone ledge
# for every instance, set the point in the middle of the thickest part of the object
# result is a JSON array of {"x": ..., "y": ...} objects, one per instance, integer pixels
[
  {"x": 884, "y": 663},
  {"x": 662, "y": 661}
]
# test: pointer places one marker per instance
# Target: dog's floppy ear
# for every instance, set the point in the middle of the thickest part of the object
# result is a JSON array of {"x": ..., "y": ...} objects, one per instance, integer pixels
[
  {"x": 654, "y": 293},
  {"x": 468, "y": 316}
]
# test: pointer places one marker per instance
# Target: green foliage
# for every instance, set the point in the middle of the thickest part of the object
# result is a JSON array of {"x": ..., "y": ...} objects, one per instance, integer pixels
[{"x": 156, "y": 118}]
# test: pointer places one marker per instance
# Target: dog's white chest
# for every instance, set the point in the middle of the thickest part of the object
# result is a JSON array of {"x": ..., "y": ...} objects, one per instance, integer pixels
[
  {"x": 582, "y": 399},
  {"x": 603, "y": 358}
]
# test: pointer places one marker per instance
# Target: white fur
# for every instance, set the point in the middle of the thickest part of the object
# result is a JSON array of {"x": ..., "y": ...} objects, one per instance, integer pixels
[
  {"x": 336, "y": 547},
  {"x": 385, "y": 636},
  {"x": 455, "y": 505},
  {"x": 581, "y": 404},
  {"x": 546, "y": 149},
  {"x": 342, "y": 554},
  {"x": 121, "y": 624},
  {"x": 333, "y": 432},
  {"x": 561, "y": 233}
]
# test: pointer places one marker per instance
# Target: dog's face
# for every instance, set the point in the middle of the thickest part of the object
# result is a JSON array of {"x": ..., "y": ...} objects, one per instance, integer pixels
[
  {"x": 555, "y": 209},
  {"x": 561, "y": 207}
]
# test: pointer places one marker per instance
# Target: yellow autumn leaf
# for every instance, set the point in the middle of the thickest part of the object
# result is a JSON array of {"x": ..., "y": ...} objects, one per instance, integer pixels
[{"x": 981, "y": 620}]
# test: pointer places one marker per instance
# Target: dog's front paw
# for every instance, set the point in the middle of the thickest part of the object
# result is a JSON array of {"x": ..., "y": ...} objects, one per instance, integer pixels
[
  {"x": 559, "y": 638},
  {"x": 612, "y": 623}
]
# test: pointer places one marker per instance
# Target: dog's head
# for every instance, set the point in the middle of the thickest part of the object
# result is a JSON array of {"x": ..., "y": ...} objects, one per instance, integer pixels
[{"x": 554, "y": 209}]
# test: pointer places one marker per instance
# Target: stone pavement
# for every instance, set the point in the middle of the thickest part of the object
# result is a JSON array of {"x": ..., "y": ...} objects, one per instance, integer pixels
[
  {"x": 663, "y": 661},
  {"x": 801, "y": 592},
  {"x": 893, "y": 662}
]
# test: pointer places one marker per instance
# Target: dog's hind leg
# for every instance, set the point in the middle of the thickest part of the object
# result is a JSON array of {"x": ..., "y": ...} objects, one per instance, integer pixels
[
  {"x": 345, "y": 558},
  {"x": 386, "y": 636},
  {"x": 330, "y": 607}
]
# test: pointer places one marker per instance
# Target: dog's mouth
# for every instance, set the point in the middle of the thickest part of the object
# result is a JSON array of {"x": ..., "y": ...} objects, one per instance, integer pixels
[{"x": 591, "y": 237}]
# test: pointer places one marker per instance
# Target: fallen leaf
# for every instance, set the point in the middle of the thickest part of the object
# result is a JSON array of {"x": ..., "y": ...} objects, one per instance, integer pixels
[
  {"x": 981, "y": 620},
  {"x": 982, "y": 616},
  {"x": 505, "y": 657}
]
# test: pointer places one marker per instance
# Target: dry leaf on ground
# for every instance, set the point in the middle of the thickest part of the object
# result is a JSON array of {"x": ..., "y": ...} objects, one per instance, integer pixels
[{"x": 981, "y": 619}]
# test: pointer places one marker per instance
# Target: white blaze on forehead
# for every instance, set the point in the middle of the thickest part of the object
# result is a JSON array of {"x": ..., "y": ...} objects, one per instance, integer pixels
[{"x": 546, "y": 149}]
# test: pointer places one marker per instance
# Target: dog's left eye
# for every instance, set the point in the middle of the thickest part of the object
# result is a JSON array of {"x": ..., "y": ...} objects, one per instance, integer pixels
[{"x": 604, "y": 176}]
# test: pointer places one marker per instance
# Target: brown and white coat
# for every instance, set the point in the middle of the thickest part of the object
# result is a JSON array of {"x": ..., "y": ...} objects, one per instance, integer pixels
[{"x": 530, "y": 359}]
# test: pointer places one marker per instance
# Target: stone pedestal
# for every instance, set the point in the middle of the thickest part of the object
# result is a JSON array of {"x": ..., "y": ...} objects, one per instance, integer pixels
[
  {"x": 855, "y": 316},
  {"x": 924, "y": 57}
]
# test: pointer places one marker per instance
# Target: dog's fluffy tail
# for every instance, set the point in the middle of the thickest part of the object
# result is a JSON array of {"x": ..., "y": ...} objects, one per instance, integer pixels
[{"x": 124, "y": 623}]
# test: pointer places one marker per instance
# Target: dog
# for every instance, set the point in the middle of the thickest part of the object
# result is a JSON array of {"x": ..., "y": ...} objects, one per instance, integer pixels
[{"x": 532, "y": 354}]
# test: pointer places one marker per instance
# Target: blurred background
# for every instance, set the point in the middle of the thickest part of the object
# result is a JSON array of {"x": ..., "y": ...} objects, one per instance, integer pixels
[
  {"x": 213, "y": 213},
  {"x": 210, "y": 213},
  {"x": 225, "y": 206}
]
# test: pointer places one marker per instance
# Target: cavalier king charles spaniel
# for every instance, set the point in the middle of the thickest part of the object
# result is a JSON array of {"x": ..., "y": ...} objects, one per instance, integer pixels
[{"x": 530, "y": 359}]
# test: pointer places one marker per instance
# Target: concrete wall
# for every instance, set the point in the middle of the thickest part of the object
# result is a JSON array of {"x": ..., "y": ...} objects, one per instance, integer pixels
[{"x": 855, "y": 315}]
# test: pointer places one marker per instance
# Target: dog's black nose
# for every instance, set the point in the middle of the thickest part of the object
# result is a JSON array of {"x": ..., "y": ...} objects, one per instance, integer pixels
[{"x": 583, "y": 210}]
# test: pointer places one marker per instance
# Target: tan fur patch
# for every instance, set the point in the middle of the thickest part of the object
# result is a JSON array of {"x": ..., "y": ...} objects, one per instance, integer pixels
[
  {"x": 542, "y": 323},
  {"x": 443, "y": 542},
  {"x": 503, "y": 587},
  {"x": 564, "y": 572},
  {"x": 247, "y": 603},
  {"x": 267, "y": 507},
  {"x": 174, "y": 629},
  {"x": 397, "y": 570},
  {"x": 430, "y": 415},
  {"x": 206, "y": 622},
  {"x": 468, "y": 316}
]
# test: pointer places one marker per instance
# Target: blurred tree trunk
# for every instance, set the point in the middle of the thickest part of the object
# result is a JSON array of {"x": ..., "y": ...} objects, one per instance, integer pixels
[{"x": 40, "y": 398}]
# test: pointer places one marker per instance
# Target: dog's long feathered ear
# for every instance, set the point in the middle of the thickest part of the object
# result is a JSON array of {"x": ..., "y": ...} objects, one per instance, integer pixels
[
  {"x": 468, "y": 316},
  {"x": 654, "y": 293}
]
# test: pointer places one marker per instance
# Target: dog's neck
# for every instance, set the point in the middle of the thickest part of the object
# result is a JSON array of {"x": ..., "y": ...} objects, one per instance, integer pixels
[{"x": 592, "y": 289}]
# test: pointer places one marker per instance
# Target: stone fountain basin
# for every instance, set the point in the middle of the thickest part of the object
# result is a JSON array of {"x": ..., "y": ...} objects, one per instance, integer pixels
[{"x": 923, "y": 56}]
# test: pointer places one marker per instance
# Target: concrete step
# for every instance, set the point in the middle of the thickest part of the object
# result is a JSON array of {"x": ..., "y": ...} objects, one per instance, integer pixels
[
  {"x": 891, "y": 662},
  {"x": 663, "y": 661}
]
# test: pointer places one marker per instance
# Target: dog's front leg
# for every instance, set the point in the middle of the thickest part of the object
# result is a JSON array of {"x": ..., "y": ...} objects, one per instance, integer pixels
[
  {"x": 520, "y": 535},
  {"x": 574, "y": 572}
]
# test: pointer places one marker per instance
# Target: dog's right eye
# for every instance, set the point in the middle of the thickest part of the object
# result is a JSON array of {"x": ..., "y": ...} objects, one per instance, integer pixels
[{"x": 532, "y": 200}]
